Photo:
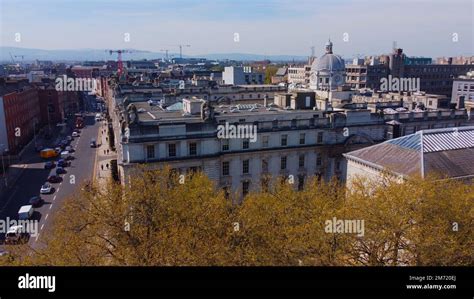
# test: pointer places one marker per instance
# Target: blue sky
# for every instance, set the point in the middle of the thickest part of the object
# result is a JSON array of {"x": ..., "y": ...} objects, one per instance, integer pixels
[{"x": 421, "y": 27}]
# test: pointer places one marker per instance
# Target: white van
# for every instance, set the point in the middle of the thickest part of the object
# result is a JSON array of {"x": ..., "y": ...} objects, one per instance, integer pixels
[
  {"x": 98, "y": 117},
  {"x": 25, "y": 212}
]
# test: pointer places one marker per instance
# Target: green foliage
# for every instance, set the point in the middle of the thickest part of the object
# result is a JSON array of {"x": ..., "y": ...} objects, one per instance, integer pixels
[{"x": 269, "y": 72}]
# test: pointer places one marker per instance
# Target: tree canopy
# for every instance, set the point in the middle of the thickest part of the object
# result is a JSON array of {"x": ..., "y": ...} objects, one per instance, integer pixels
[{"x": 163, "y": 219}]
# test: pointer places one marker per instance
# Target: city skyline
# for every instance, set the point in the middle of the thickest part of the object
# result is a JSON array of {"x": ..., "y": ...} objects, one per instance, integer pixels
[{"x": 210, "y": 27}]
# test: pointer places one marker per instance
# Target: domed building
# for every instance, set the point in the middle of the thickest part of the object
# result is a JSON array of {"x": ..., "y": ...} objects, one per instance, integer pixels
[{"x": 328, "y": 72}]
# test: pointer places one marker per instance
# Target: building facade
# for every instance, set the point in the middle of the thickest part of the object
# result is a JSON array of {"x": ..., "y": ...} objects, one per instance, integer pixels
[
  {"x": 463, "y": 91},
  {"x": 296, "y": 142},
  {"x": 19, "y": 118},
  {"x": 238, "y": 75}
]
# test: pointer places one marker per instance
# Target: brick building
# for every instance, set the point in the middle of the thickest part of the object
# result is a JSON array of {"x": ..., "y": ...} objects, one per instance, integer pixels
[{"x": 19, "y": 115}]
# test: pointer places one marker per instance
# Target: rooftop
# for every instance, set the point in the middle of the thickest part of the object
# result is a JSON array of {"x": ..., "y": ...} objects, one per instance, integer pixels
[{"x": 448, "y": 151}]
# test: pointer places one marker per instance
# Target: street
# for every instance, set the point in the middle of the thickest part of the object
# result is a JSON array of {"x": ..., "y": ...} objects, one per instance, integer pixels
[{"x": 34, "y": 176}]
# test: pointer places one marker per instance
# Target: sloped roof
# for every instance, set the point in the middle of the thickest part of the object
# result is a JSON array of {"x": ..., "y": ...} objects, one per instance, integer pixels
[{"x": 447, "y": 151}]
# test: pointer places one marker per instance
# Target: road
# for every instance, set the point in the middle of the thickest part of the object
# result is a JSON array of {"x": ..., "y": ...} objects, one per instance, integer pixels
[{"x": 34, "y": 175}]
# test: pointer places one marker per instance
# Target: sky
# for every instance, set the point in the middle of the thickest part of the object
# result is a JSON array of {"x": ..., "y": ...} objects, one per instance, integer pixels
[{"x": 430, "y": 28}]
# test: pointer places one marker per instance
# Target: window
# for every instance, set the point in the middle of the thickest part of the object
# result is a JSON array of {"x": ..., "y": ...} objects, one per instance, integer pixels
[
  {"x": 283, "y": 163},
  {"x": 150, "y": 151},
  {"x": 245, "y": 144},
  {"x": 320, "y": 137},
  {"x": 245, "y": 166},
  {"x": 264, "y": 165},
  {"x": 172, "y": 150},
  {"x": 245, "y": 188},
  {"x": 284, "y": 140},
  {"x": 225, "y": 145},
  {"x": 225, "y": 168},
  {"x": 265, "y": 141},
  {"x": 193, "y": 149},
  {"x": 300, "y": 182},
  {"x": 302, "y": 138},
  {"x": 319, "y": 160},
  {"x": 301, "y": 161}
]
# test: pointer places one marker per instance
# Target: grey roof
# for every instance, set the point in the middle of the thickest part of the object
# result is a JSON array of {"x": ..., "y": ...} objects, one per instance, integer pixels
[
  {"x": 455, "y": 138},
  {"x": 329, "y": 62},
  {"x": 438, "y": 139},
  {"x": 448, "y": 151},
  {"x": 281, "y": 71}
]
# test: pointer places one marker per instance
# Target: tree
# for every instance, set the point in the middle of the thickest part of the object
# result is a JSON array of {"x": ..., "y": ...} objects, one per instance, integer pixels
[
  {"x": 270, "y": 71},
  {"x": 411, "y": 223},
  {"x": 163, "y": 218},
  {"x": 286, "y": 227}
]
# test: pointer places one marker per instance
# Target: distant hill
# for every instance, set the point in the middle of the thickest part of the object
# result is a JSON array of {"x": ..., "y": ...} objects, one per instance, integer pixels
[{"x": 98, "y": 54}]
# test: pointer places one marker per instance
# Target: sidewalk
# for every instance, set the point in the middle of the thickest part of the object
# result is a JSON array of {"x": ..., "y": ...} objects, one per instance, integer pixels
[{"x": 104, "y": 158}]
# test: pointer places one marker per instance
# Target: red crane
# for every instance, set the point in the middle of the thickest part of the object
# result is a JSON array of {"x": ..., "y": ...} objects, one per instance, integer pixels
[{"x": 119, "y": 58}]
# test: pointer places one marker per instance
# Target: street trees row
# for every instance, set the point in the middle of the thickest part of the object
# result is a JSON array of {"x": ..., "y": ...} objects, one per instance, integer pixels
[{"x": 161, "y": 219}]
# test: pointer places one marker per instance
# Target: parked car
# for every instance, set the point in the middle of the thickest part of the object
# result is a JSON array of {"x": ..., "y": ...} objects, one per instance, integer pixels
[
  {"x": 69, "y": 148},
  {"x": 75, "y": 134},
  {"x": 36, "y": 201},
  {"x": 57, "y": 150},
  {"x": 54, "y": 179},
  {"x": 46, "y": 188},
  {"x": 25, "y": 212},
  {"x": 69, "y": 138},
  {"x": 64, "y": 154},
  {"x": 60, "y": 170},
  {"x": 62, "y": 163},
  {"x": 16, "y": 234},
  {"x": 93, "y": 143},
  {"x": 49, "y": 165}
]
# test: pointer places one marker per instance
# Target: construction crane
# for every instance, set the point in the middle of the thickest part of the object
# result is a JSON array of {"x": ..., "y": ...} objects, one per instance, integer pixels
[
  {"x": 181, "y": 49},
  {"x": 119, "y": 58},
  {"x": 166, "y": 53}
]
